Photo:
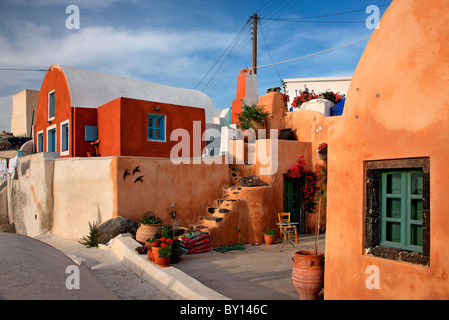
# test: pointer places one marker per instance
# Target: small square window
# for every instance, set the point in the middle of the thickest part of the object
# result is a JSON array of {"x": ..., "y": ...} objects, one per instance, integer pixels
[
  {"x": 90, "y": 133},
  {"x": 397, "y": 214},
  {"x": 156, "y": 127}
]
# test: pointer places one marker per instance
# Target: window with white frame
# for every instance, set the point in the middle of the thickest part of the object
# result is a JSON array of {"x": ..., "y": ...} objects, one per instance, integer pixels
[
  {"x": 64, "y": 138},
  {"x": 40, "y": 141},
  {"x": 51, "y": 105},
  {"x": 51, "y": 138}
]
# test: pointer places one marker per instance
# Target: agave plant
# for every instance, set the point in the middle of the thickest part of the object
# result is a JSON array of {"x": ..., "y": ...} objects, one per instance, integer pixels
[{"x": 91, "y": 240}]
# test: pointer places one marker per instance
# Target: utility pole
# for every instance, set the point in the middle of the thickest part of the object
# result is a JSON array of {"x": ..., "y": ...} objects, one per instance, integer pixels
[{"x": 255, "y": 18}]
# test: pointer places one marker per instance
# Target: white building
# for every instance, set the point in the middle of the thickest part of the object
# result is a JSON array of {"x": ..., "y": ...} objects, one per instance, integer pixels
[{"x": 336, "y": 84}]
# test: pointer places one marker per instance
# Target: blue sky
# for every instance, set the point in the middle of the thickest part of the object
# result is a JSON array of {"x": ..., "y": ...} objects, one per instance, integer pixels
[{"x": 179, "y": 42}]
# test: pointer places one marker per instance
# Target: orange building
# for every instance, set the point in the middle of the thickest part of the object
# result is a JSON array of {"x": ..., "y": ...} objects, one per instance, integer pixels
[
  {"x": 387, "y": 222},
  {"x": 77, "y": 107}
]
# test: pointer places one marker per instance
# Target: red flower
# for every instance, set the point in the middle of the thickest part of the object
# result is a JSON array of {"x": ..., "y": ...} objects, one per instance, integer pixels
[
  {"x": 163, "y": 244},
  {"x": 155, "y": 244},
  {"x": 169, "y": 241},
  {"x": 162, "y": 239}
]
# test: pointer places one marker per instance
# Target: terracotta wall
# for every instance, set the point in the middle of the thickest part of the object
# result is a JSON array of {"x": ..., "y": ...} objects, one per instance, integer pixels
[
  {"x": 82, "y": 117},
  {"x": 54, "y": 80},
  {"x": 122, "y": 123},
  {"x": 190, "y": 188},
  {"x": 389, "y": 114},
  {"x": 241, "y": 93}
]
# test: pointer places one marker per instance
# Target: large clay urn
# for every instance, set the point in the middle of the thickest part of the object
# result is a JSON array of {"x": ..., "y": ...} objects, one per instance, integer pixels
[
  {"x": 308, "y": 274},
  {"x": 147, "y": 231}
]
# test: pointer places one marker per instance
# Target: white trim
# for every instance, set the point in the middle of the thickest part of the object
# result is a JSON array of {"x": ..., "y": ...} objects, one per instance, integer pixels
[
  {"x": 67, "y": 152},
  {"x": 48, "y": 105},
  {"x": 37, "y": 141},
  {"x": 56, "y": 137}
]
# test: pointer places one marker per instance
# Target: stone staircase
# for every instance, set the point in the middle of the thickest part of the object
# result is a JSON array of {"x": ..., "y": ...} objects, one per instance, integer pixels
[{"x": 223, "y": 216}]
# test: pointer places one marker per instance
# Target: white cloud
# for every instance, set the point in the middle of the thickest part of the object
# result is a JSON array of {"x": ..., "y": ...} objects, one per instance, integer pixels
[{"x": 153, "y": 55}]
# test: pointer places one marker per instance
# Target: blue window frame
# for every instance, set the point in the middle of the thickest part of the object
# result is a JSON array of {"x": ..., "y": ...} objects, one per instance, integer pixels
[
  {"x": 51, "y": 104},
  {"x": 90, "y": 133},
  {"x": 40, "y": 142},
  {"x": 156, "y": 127},
  {"x": 64, "y": 137},
  {"x": 51, "y": 140}
]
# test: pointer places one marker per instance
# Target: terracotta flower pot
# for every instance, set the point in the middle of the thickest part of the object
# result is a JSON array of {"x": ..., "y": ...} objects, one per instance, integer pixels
[
  {"x": 269, "y": 239},
  {"x": 308, "y": 274},
  {"x": 147, "y": 231},
  {"x": 311, "y": 222},
  {"x": 164, "y": 261},
  {"x": 156, "y": 257},
  {"x": 150, "y": 254}
]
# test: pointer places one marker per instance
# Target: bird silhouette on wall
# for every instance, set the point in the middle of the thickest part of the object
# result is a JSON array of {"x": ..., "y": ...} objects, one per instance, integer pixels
[
  {"x": 136, "y": 169},
  {"x": 126, "y": 173},
  {"x": 139, "y": 179}
]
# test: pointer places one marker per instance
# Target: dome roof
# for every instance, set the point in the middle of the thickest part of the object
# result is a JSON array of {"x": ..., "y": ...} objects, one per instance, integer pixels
[{"x": 90, "y": 89}]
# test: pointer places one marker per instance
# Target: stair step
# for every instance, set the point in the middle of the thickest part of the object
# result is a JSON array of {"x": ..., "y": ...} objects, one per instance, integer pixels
[
  {"x": 223, "y": 210},
  {"x": 211, "y": 209},
  {"x": 216, "y": 219}
]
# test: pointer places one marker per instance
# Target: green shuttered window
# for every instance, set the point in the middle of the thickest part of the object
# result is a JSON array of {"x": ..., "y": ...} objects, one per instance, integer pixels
[{"x": 402, "y": 209}]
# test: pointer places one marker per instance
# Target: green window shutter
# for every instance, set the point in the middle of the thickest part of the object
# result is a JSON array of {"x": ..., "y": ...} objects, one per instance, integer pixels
[{"x": 401, "y": 209}]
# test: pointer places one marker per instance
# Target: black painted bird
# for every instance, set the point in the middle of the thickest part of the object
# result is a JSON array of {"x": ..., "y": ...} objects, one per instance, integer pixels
[
  {"x": 136, "y": 170},
  {"x": 126, "y": 174},
  {"x": 139, "y": 179}
]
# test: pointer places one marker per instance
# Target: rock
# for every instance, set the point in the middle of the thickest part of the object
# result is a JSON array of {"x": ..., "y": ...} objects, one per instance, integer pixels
[{"x": 113, "y": 227}]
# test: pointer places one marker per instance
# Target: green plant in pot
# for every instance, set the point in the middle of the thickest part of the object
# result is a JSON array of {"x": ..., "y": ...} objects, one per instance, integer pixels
[
  {"x": 269, "y": 236},
  {"x": 252, "y": 117},
  {"x": 165, "y": 251},
  {"x": 149, "y": 226}
]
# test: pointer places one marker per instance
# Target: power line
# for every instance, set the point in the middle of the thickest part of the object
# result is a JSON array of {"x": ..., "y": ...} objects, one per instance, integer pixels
[
  {"x": 232, "y": 44},
  {"x": 325, "y": 15},
  {"x": 315, "y": 53},
  {"x": 17, "y": 69},
  {"x": 268, "y": 50}
]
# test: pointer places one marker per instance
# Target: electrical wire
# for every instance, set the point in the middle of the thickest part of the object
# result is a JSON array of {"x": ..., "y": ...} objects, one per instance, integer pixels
[
  {"x": 322, "y": 16},
  {"x": 315, "y": 53},
  {"x": 268, "y": 50},
  {"x": 222, "y": 60},
  {"x": 17, "y": 69}
]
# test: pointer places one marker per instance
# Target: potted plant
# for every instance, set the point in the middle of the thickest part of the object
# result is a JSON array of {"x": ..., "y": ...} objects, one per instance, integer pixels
[
  {"x": 156, "y": 245},
  {"x": 149, "y": 227},
  {"x": 269, "y": 236},
  {"x": 252, "y": 117},
  {"x": 176, "y": 252},
  {"x": 164, "y": 252}
]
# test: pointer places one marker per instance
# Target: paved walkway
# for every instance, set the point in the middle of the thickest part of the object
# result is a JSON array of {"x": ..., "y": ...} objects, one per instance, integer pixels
[{"x": 259, "y": 272}]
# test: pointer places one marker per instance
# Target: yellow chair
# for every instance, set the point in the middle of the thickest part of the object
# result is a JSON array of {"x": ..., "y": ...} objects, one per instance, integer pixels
[{"x": 285, "y": 217}]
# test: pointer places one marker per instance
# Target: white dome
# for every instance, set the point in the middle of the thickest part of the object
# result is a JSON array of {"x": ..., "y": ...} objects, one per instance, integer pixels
[{"x": 90, "y": 89}]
